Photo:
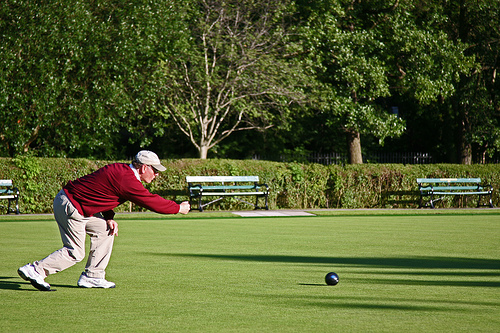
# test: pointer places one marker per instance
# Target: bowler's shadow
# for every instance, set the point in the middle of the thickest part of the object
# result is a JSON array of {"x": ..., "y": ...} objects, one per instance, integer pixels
[{"x": 16, "y": 283}]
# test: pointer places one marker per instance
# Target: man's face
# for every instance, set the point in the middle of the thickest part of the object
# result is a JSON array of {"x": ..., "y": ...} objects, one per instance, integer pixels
[{"x": 147, "y": 173}]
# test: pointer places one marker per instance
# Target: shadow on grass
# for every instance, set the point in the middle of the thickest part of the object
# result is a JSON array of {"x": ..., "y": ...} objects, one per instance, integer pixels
[
  {"x": 420, "y": 266},
  {"x": 18, "y": 284},
  {"x": 11, "y": 285},
  {"x": 461, "y": 283},
  {"x": 27, "y": 218},
  {"x": 458, "y": 273},
  {"x": 378, "y": 303},
  {"x": 395, "y": 262}
]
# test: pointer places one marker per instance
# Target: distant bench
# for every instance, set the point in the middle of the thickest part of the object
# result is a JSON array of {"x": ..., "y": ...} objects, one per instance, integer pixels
[
  {"x": 224, "y": 186},
  {"x": 10, "y": 193},
  {"x": 431, "y": 187}
]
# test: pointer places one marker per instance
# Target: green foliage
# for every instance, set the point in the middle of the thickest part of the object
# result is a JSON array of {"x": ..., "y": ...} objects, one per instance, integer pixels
[
  {"x": 349, "y": 59},
  {"x": 87, "y": 79},
  {"x": 366, "y": 53},
  {"x": 29, "y": 164},
  {"x": 31, "y": 169},
  {"x": 477, "y": 102},
  {"x": 74, "y": 75},
  {"x": 55, "y": 78},
  {"x": 292, "y": 185}
]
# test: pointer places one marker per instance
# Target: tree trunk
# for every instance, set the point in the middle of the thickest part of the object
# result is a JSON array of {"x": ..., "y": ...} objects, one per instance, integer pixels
[
  {"x": 33, "y": 137},
  {"x": 465, "y": 153},
  {"x": 203, "y": 152},
  {"x": 465, "y": 145},
  {"x": 354, "y": 145}
]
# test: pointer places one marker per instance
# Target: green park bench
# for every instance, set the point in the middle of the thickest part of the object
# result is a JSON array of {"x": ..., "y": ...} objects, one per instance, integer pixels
[
  {"x": 10, "y": 193},
  {"x": 434, "y": 189},
  {"x": 225, "y": 186}
]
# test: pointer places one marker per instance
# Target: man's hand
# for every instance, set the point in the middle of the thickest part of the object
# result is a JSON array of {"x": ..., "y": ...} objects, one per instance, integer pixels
[
  {"x": 185, "y": 207},
  {"x": 112, "y": 227}
]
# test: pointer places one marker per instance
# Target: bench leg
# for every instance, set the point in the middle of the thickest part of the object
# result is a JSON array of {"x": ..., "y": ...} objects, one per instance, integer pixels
[
  {"x": 16, "y": 205},
  {"x": 430, "y": 203},
  {"x": 422, "y": 199},
  {"x": 490, "y": 201},
  {"x": 191, "y": 201},
  {"x": 266, "y": 207},
  {"x": 200, "y": 207}
]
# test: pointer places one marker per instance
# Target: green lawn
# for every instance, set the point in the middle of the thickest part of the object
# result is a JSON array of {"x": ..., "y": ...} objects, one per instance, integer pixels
[{"x": 406, "y": 271}]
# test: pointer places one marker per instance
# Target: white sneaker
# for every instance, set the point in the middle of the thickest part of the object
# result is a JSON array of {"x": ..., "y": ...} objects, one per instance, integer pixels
[
  {"x": 28, "y": 273},
  {"x": 88, "y": 282}
]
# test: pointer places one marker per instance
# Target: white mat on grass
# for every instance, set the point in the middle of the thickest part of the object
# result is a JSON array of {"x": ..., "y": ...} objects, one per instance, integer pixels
[{"x": 272, "y": 213}]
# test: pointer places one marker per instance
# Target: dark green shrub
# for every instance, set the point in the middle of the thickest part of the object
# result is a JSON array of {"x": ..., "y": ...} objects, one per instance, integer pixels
[{"x": 292, "y": 185}]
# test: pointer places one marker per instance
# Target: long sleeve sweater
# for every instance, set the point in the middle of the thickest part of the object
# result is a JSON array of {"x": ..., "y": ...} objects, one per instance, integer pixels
[{"x": 110, "y": 186}]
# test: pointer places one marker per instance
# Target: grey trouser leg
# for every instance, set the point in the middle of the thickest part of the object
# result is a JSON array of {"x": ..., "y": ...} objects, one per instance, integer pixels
[{"x": 74, "y": 228}]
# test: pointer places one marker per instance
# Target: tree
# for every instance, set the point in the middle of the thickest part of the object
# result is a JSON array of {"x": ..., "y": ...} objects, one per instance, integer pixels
[
  {"x": 233, "y": 73},
  {"x": 54, "y": 96},
  {"x": 74, "y": 76},
  {"x": 476, "y": 104},
  {"x": 368, "y": 51},
  {"x": 349, "y": 57},
  {"x": 462, "y": 102}
]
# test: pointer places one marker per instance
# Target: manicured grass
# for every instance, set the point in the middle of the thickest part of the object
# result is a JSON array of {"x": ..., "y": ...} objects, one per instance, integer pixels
[{"x": 410, "y": 271}]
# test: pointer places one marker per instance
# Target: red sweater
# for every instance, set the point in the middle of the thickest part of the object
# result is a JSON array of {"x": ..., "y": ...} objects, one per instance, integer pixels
[{"x": 110, "y": 186}]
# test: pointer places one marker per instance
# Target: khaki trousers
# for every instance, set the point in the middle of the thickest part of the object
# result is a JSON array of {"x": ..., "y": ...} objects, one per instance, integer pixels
[{"x": 74, "y": 228}]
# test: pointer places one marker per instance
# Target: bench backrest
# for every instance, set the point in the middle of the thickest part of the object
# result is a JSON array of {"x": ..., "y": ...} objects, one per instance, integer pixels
[
  {"x": 221, "y": 179},
  {"x": 448, "y": 180},
  {"x": 5, "y": 182}
]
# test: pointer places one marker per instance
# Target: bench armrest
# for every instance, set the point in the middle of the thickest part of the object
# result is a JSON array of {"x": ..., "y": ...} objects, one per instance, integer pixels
[
  {"x": 486, "y": 186},
  {"x": 263, "y": 185}
]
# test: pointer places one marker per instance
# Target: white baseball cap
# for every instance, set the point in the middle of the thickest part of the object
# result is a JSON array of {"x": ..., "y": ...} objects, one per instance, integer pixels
[{"x": 149, "y": 158}]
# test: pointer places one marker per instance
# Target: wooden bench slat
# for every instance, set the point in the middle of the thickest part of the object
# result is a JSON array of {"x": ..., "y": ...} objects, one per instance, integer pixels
[
  {"x": 5, "y": 182},
  {"x": 225, "y": 187},
  {"x": 9, "y": 196},
  {"x": 223, "y": 179},
  {"x": 450, "y": 188},
  {"x": 460, "y": 193},
  {"x": 448, "y": 180},
  {"x": 233, "y": 193}
]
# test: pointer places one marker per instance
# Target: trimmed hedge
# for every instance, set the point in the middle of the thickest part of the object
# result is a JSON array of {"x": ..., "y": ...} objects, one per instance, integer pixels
[{"x": 293, "y": 185}]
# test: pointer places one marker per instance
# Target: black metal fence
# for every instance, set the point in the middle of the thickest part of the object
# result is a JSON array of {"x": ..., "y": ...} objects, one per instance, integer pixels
[
  {"x": 400, "y": 158},
  {"x": 342, "y": 159},
  {"x": 381, "y": 157}
]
